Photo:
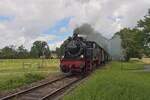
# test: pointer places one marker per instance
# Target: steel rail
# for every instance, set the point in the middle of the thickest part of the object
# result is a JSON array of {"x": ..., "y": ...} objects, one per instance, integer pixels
[
  {"x": 30, "y": 89},
  {"x": 60, "y": 89}
]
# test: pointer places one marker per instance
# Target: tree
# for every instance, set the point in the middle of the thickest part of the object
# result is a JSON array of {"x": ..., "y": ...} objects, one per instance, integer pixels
[
  {"x": 131, "y": 42},
  {"x": 40, "y": 48},
  {"x": 8, "y": 52},
  {"x": 58, "y": 52},
  {"x": 1, "y": 55},
  {"x": 22, "y": 52},
  {"x": 144, "y": 25}
]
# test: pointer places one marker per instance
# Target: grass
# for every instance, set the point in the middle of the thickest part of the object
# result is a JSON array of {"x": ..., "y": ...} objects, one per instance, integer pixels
[
  {"x": 13, "y": 74},
  {"x": 15, "y": 81},
  {"x": 115, "y": 82}
]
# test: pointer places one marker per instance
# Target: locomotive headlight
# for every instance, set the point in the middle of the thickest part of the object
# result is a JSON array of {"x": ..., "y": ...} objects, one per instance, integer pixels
[
  {"x": 81, "y": 56},
  {"x": 62, "y": 57}
]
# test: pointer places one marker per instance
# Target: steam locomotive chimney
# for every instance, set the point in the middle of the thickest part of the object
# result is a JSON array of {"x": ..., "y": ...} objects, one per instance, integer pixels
[{"x": 76, "y": 33}]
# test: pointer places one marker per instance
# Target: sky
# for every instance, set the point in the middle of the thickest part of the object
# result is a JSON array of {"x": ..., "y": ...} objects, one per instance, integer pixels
[{"x": 24, "y": 21}]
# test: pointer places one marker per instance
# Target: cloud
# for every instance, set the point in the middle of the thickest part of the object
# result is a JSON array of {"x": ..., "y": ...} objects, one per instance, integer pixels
[
  {"x": 45, "y": 38},
  {"x": 23, "y": 21},
  {"x": 55, "y": 44}
]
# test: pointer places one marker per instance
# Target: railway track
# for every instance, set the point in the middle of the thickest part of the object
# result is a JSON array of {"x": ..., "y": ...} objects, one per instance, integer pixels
[{"x": 45, "y": 91}]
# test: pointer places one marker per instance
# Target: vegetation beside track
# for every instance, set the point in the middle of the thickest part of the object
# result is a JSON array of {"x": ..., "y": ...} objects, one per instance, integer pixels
[
  {"x": 13, "y": 74},
  {"x": 117, "y": 81}
]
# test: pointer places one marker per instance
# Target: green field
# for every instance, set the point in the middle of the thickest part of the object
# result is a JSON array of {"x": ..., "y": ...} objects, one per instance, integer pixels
[
  {"x": 18, "y": 72},
  {"x": 116, "y": 81}
]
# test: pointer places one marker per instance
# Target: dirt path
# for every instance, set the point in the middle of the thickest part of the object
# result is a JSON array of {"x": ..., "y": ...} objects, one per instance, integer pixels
[{"x": 146, "y": 68}]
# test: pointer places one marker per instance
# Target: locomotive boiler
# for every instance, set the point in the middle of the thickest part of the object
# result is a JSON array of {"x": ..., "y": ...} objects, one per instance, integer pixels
[{"x": 81, "y": 56}]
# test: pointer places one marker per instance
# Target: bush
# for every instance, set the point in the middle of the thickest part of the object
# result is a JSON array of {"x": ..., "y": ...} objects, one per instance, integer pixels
[{"x": 17, "y": 81}]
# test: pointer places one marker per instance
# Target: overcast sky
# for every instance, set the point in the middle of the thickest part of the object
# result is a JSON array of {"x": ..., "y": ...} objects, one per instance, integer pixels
[{"x": 24, "y": 21}]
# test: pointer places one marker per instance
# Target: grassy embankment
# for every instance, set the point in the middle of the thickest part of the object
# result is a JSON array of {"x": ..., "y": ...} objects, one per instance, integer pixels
[
  {"x": 13, "y": 74},
  {"x": 116, "y": 82}
]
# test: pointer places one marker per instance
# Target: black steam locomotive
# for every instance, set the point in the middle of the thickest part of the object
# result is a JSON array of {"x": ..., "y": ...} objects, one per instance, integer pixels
[{"x": 82, "y": 56}]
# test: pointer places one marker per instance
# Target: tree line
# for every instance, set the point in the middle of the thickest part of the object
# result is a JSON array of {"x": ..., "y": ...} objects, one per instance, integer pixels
[
  {"x": 136, "y": 41},
  {"x": 38, "y": 49}
]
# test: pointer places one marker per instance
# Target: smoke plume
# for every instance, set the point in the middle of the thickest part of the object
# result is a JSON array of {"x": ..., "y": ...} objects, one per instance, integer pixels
[
  {"x": 90, "y": 34},
  {"x": 112, "y": 46}
]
